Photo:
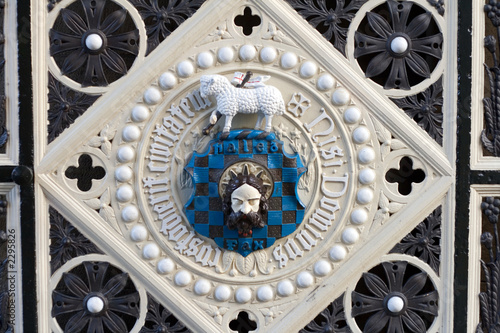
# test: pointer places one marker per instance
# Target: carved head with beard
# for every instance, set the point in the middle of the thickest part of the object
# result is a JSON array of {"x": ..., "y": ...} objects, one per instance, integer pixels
[{"x": 244, "y": 203}]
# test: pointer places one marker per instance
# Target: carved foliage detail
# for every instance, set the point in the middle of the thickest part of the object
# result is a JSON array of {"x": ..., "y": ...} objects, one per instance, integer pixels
[
  {"x": 424, "y": 241},
  {"x": 330, "y": 18},
  {"x": 426, "y": 109},
  {"x": 490, "y": 136},
  {"x": 491, "y": 270},
  {"x": 66, "y": 105},
  {"x": 162, "y": 17},
  {"x": 331, "y": 319},
  {"x": 160, "y": 319},
  {"x": 66, "y": 242}
]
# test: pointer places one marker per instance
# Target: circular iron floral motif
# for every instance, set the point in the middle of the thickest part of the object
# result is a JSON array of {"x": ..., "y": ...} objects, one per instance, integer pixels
[
  {"x": 94, "y": 42},
  {"x": 95, "y": 297},
  {"x": 395, "y": 297},
  {"x": 398, "y": 44}
]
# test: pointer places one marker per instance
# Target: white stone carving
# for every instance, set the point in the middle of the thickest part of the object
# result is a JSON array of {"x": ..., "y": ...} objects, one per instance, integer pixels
[
  {"x": 298, "y": 104},
  {"x": 125, "y": 154},
  {"x": 322, "y": 268},
  {"x": 165, "y": 266},
  {"x": 131, "y": 133},
  {"x": 350, "y": 235},
  {"x": 102, "y": 204},
  {"x": 268, "y": 54},
  {"x": 150, "y": 251},
  {"x": 308, "y": 69},
  {"x": 139, "y": 233},
  {"x": 341, "y": 96},
  {"x": 386, "y": 208},
  {"x": 367, "y": 176},
  {"x": 185, "y": 69},
  {"x": 152, "y": 96},
  {"x": 247, "y": 52},
  {"x": 285, "y": 288},
  {"x": 266, "y": 101},
  {"x": 205, "y": 60},
  {"x": 304, "y": 280},
  {"x": 225, "y": 54},
  {"x": 289, "y": 60},
  {"x": 352, "y": 115},
  {"x": 275, "y": 34},
  {"x": 337, "y": 253},
  {"x": 202, "y": 287},
  {"x": 325, "y": 82},
  {"x": 243, "y": 295},
  {"x": 167, "y": 80},
  {"x": 140, "y": 113},
  {"x": 359, "y": 216}
]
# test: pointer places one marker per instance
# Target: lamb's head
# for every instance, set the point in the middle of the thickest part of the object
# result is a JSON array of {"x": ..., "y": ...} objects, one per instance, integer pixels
[
  {"x": 207, "y": 85},
  {"x": 211, "y": 84}
]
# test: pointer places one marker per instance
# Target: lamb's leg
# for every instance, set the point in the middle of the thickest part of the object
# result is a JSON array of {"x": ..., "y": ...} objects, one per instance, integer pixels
[
  {"x": 260, "y": 116},
  {"x": 213, "y": 119},
  {"x": 227, "y": 125},
  {"x": 269, "y": 120}
]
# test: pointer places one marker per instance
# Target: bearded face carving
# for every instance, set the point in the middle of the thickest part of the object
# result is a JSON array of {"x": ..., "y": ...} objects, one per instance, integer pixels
[{"x": 245, "y": 203}]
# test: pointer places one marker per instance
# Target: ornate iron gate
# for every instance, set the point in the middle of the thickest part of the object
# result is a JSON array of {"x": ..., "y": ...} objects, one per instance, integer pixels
[{"x": 145, "y": 199}]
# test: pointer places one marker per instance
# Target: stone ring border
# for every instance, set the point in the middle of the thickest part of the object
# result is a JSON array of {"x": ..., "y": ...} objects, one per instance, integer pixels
[{"x": 303, "y": 279}]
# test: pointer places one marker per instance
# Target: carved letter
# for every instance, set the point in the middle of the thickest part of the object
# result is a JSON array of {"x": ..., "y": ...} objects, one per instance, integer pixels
[
  {"x": 197, "y": 101},
  {"x": 182, "y": 245},
  {"x": 331, "y": 194},
  {"x": 306, "y": 240},
  {"x": 322, "y": 116},
  {"x": 280, "y": 256},
  {"x": 162, "y": 130},
  {"x": 193, "y": 247},
  {"x": 172, "y": 124},
  {"x": 176, "y": 111},
  {"x": 293, "y": 249},
  {"x": 204, "y": 254},
  {"x": 177, "y": 233}
]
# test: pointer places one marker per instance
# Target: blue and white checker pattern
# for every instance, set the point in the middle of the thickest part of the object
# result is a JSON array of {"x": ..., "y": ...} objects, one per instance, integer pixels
[{"x": 204, "y": 210}]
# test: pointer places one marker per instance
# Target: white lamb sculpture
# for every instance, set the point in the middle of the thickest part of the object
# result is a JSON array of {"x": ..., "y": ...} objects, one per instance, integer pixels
[{"x": 265, "y": 100}]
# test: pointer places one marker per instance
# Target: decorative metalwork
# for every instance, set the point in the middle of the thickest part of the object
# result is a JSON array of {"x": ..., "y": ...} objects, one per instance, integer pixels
[
  {"x": 160, "y": 320},
  {"x": 331, "y": 319},
  {"x": 426, "y": 109},
  {"x": 162, "y": 17},
  {"x": 394, "y": 297},
  {"x": 98, "y": 296},
  {"x": 438, "y": 4},
  {"x": 87, "y": 39},
  {"x": 489, "y": 298},
  {"x": 65, "y": 106},
  {"x": 330, "y": 18},
  {"x": 52, "y": 4},
  {"x": 490, "y": 136},
  {"x": 423, "y": 242},
  {"x": 396, "y": 53},
  {"x": 4, "y": 134},
  {"x": 66, "y": 242}
]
